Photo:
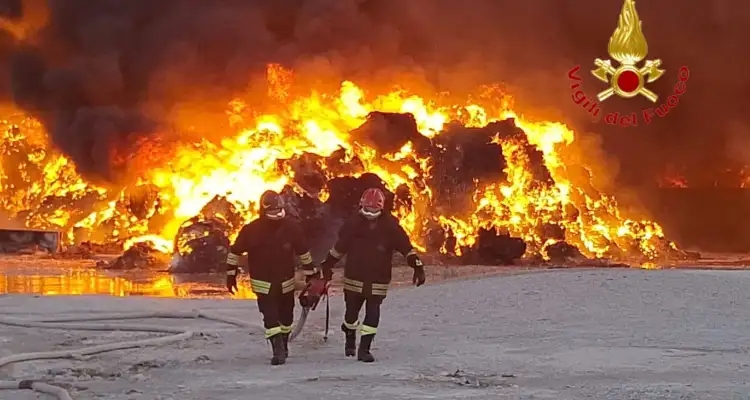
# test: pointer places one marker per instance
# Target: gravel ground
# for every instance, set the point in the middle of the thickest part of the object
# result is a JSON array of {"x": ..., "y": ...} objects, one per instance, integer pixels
[{"x": 558, "y": 334}]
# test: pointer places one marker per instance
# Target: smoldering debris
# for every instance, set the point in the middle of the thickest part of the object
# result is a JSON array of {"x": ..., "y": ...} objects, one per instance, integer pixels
[
  {"x": 562, "y": 251},
  {"x": 86, "y": 250},
  {"x": 139, "y": 256},
  {"x": 495, "y": 248}
]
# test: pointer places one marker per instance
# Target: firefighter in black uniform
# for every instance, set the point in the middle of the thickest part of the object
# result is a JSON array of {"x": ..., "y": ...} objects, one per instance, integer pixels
[
  {"x": 272, "y": 242},
  {"x": 368, "y": 240}
]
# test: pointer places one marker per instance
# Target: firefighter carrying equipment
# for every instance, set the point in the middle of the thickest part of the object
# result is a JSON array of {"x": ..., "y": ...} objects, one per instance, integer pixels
[{"x": 273, "y": 246}]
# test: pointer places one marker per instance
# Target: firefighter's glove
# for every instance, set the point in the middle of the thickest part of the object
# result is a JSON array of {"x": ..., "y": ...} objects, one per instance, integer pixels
[
  {"x": 419, "y": 278},
  {"x": 312, "y": 274},
  {"x": 415, "y": 262},
  {"x": 327, "y": 273},
  {"x": 232, "y": 281},
  {"x": 305, "y": 300},
  {"x": 312, "y": 294},
  {"x": 327, "y": 267}
]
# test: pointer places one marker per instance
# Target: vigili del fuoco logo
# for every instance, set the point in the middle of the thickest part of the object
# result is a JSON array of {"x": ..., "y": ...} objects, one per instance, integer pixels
[{"x": 625, "y": 78}]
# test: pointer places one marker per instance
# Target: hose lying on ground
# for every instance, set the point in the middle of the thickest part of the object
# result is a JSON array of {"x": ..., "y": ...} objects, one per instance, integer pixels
[
  {"x": 69, "y": 323},
  {"x": 40, "y": 387},
  {"x": 297, "y": 328}
]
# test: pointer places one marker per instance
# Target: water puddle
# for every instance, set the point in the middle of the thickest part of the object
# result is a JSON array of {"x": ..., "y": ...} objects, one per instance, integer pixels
[{"x": 82, "y": 280}]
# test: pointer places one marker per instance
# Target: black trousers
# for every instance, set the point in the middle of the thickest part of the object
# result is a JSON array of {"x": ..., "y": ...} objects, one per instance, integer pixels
[
  {"x": 278, "y": 312},
  {"x": 354, "y": 302}
]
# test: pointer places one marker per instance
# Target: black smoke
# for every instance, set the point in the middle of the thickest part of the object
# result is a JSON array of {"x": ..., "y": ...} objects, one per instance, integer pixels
[{"x": 105, "y": 76}]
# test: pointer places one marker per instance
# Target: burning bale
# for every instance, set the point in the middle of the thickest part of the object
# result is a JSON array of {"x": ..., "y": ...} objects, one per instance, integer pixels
[
  {"x": 478, "y": 188},
  {"x": 460, "y": 160},
  {"x": 388, "y": 133}
]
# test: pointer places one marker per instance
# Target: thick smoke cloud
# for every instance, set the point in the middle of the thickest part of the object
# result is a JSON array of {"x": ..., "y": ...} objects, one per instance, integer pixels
[{"x": 103, "y": 74}]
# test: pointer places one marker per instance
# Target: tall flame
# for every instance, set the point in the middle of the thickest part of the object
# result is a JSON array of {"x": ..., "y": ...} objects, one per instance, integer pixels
[
  {"x": 628, "y": 44},
  {"x": 41, "y": 187}
]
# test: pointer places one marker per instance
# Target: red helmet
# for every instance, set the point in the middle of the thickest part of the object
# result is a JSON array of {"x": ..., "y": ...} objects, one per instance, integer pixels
[
  {"x": 372, "y": 203},
  {"x": 272, "y": 205}
]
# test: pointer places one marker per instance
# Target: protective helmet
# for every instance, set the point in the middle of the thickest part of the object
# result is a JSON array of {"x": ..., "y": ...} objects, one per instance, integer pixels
[
  {"x": 272, "y": 205},
  {"x": 371, "y": 203}
]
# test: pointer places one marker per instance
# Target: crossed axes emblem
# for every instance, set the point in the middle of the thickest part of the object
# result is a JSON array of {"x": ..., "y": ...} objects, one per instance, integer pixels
[{"x": 609, "y": 74}]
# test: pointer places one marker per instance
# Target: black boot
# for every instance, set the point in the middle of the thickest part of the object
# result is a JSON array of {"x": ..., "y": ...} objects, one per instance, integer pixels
[
  {"x": 285, "y": 338},
  {"x": 363, "y": 354},
  {"x": 277, "y": 345},
  {"x": 350, "y": 348}
]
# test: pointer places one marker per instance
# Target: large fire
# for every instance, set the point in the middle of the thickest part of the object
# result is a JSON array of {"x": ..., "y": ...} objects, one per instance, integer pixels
[{"x": 42, "y": 188}]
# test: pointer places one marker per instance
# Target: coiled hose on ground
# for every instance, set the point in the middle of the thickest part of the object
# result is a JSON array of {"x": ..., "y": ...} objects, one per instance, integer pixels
[{"x": 176, "y": 335}]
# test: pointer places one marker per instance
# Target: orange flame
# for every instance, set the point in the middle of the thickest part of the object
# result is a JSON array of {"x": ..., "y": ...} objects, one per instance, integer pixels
[{"x": 244, "y": 165}]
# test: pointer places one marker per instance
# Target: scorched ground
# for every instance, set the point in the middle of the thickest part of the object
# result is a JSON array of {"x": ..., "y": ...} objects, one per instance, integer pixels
[{"x": 463, "y": 175}]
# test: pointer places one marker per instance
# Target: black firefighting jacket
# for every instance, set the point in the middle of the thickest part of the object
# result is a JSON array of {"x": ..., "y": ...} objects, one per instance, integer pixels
[
  {"x": 272, "y": 248},
  {"x": 369, "y": 246}
]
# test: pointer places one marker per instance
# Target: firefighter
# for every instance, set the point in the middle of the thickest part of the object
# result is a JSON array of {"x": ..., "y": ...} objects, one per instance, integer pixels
[
  {"x": 272, "y": 242},
  {"x": 368, "y": 239}
]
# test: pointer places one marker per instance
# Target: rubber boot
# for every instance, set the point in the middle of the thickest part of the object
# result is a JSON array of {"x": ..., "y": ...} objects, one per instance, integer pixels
[
  {"x": 363, "y": 354},
  {"x": 285, "y": 339},
  {"x": 350, "y": 347},
  {"x": 277, "y": 345}
]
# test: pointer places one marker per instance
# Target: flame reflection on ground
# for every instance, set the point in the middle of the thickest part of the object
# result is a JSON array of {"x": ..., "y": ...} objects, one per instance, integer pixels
[{"x": 77, "y": 281}]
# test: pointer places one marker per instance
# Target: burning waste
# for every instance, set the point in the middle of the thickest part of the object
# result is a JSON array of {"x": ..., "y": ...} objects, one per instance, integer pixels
[{"x": 472, "y": 181}]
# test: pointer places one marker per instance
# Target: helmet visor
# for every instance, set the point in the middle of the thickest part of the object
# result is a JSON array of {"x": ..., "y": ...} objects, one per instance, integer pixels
[
  {"x": 275, "y": 213},
  {"x": 370, "y": 212}
]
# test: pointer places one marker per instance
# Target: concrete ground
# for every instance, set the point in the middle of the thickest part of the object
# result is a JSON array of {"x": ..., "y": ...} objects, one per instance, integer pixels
[{"x": 557, "y": 334}]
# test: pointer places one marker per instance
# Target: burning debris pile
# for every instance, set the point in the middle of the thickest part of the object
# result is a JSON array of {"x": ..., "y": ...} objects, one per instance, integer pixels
[
  {"x": 202, "y": 242},
  {"x": 474, "y": 188},
  {"x": 140, "y": 255}
]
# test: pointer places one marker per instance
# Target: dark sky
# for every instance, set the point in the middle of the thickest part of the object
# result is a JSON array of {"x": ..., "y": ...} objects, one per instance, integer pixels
[{"x": 105, "y": 72}]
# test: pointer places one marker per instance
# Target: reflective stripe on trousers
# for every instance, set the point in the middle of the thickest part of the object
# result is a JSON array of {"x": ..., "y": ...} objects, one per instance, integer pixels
[
  {"x": 354, "y": 302},
  {"x": 351, "y": 326},
  {"x": 368, "y": 330},
  {"x": 378, "y": 289},
  {"x": 273, "y": 331},
  {"x": 264, "y": 287}
]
